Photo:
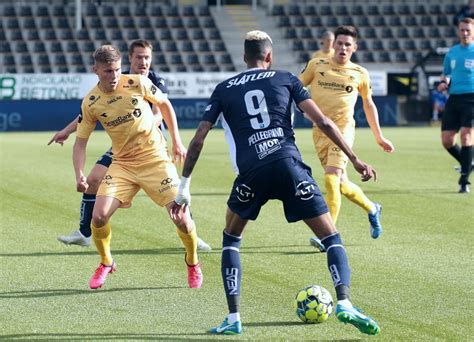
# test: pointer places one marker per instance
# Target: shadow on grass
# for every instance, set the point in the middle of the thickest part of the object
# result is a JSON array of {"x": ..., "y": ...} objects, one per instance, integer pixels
[
  {"x": 73, "y": 292},
  {"x": 107, "y": 337}
]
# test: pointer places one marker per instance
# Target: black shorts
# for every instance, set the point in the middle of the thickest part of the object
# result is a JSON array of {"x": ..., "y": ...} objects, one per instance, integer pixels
[
  {"x": 288, "y": 180},
  {"x": 106, "y": 158},
  {"x": 459, "y": 112}
]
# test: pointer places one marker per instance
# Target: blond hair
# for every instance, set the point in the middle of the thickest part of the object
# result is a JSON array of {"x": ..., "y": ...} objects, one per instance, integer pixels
[
  {"x": 106, "y": 54},
  {"x": 257, "y": 35}
]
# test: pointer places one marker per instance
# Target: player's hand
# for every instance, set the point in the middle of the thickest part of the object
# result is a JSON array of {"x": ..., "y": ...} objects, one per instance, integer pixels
[
  {"x": 443, "y": 86},
  {"x": 59, "y": 138},
  {"x": 366, "y": 171},
  {"x": 81, "y": 184},
  {"x": 386, "y": 145},
  {"x": 179, "y": 153}
]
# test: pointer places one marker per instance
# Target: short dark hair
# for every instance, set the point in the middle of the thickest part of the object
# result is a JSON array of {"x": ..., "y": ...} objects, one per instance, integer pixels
[
  {"x": 346, "y": 31},
  {"x": 139, "y": 43},
  {"x": 106, "y": 54},
  {"x": 257, "y": 44}
]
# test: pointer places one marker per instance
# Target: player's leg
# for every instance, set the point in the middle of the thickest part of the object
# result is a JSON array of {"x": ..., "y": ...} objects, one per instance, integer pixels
[
  {"x": 82, "y": 237},
  {"x": 338, "y": 267},
  {"x": 332, "y": 182},
  {"x": 466, "y": 158},
  {"x": 231, "y": 270},
  {"x": 101, "y": 234},
  {"x": 355, "y": 194}
]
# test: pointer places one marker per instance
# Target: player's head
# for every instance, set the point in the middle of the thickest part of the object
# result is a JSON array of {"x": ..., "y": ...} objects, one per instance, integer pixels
[
  {"x": 140, "y": 55},
  {"x": 107, "y": 65},
  {"x": 345, "y": 43},
  {"x": 327, "y": 40},
  {"x": 466, "y": 31},
  {"x": 258, "y": 49}
]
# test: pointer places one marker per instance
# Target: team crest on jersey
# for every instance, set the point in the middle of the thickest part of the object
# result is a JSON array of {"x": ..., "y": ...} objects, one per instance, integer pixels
[
  {"x": 134, "y": 101},
  {"x": 349, "y": 89},
  {"x": 130, "y": 82},
  {"x": 137, "y": 112},
  {"x": 91, "y": 98}
]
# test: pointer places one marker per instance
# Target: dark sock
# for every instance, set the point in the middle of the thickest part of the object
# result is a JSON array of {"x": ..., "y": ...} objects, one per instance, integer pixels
[
  {"x": 455, "y": 151},
  {"x": 466, "y": 163},
  {"x": 87, "y": 206},
  {"x": 338, "y": 265},
  {"x": 231, "y": 270}
]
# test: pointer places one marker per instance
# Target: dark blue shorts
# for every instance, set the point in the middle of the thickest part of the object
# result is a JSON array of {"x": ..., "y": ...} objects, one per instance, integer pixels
[
  {"x": 288, "y": 180},
  {"x": 106, "y": 158}
]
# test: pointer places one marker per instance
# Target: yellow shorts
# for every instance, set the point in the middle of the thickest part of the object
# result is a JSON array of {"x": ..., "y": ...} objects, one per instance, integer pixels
[
  {"x": 329, "y": 153},
  {"x": 158, "y": 178}
]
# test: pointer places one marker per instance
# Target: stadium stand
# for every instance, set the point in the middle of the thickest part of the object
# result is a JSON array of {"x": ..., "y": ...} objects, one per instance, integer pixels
[{"x": 391, "y": 32}]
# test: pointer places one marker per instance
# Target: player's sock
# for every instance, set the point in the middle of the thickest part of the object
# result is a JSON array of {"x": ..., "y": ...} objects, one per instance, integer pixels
[
  {"x": 101, "y": 237},
  {"x": 333, "y": 194},
  {"x": 190, "y": 245},
  {"x": 231, "y": 270},
  {"x": 355, "y": 194},
  {"x": 87, "y": 207},
  {"x": 455, "y": 151},
  {"x": 338, "y": 265},
  {"x": 466, "y": 163},
  {"x": 233, "y": 317}
]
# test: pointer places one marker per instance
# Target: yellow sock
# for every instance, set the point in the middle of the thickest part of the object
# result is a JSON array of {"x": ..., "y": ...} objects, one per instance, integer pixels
[
  {"x": 355, "y": 194},
  {"x": 333, "y": 194},
  {"x": 190, "y": 245},
  {"x": 101, "y": 237}
]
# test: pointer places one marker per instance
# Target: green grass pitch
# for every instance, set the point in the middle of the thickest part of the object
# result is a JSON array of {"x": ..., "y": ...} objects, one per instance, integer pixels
[{"x": 416, "y": 280}]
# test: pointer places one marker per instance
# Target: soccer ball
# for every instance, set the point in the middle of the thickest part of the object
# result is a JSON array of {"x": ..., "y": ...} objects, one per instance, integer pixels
[{"x": 313, "y": 304}]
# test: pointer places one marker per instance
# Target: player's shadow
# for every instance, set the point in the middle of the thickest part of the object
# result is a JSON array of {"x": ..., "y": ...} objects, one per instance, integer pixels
[
  {"x": 74, "y": 292},
  {"x": 150, "y": 251},
  {"x": 108, "y": 337}
]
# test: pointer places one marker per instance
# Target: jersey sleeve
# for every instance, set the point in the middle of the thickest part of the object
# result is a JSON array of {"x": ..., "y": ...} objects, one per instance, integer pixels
[
  {"x": 307, "y": 75},
  {"x": 158, "y": 81},
  {"x": 151, "y": 92},
  {"x": 298, "y": 92},
  {"x": 213, "y": 109},
  {"x": 365, "y": 88},
  {"x": 86, "y": 122}
]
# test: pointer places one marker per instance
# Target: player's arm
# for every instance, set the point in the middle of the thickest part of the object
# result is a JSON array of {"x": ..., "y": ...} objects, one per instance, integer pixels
[
  {"x": 445, "y": 79},
  {"x": 330, "y": 129},
  {"x": 169, "y": 115},
  {"x": 307, "y": 75},
  {"x": 79, "y": 161},
  {"x": 372, "y": 115},
  {"x": 157, "y": 114},
  {"x": 61, "y": 136}
]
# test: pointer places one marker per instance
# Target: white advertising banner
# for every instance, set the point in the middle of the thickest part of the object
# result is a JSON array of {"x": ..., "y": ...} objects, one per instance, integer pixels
[{"x": 76, "y": 86}]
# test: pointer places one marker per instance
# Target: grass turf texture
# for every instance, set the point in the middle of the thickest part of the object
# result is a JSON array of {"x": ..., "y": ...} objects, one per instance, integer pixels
[{"x": 416, "y": 280}]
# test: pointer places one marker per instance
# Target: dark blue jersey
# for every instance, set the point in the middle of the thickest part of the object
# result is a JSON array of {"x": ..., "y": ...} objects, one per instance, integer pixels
[{"x": 255, "y": 109}]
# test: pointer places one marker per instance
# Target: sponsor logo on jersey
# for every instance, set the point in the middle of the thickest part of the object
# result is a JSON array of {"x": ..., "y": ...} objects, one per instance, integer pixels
[
  {"x": 134, "y": 101},
  {"x": 244, "y": 193},
  {"x": 469, "y": 63},
  {"x": 271, "y": 133},
  {"x": 137, "y": 112},
  {"x": 167, "y": 184},
  {"x": 153, "y": 89},
  {"x": 249, "y": 78},
  {"x": 267, "y": 147},
  {"x": 332, "y": 85},
  {"x": 305, "y": 190},
  {"x": 120, "y": 120},
  {"x": 104, "y": 115},
  {"x": 108, "y": 180},
  {"x": 114, "y": 99},
  {"x": 349, "y": 89},
  {"x": 93, "y": 100}
]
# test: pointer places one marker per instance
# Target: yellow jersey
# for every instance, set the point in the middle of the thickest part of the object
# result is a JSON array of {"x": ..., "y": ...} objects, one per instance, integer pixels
[
  {"x": 335, "y": 87},
  {"x": 127, "y": 118},
  {"x": 322, "y": 54}
]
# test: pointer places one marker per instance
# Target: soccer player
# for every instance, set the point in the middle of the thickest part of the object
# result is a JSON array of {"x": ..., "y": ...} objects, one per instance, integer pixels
[
  {"x": 327, "y": 51},
  {"x": 140, "y": 157},
  {"x": 140, "y": 57},
  {"x": 458, "y": 77},
  {"x": 255, "y": 109},
  {"x": 335, "y": 83}
]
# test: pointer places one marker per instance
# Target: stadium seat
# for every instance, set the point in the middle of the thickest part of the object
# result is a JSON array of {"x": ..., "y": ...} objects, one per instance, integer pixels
[
  {"x": 124, "y": 11},
  {"x": 171, "y": 46},
  {"x": 409, "y": 44},
  {"x": 426, "y": 45},
  {"x": 186, "y": 46},
  {"x": 58, "y": 11},
  {"x": 310, "y": 10},
  {"x": 5, "y": 47},
  {"x": 278, "y": 10},
  {"x": 379, "y": 21},
  {"x": 12, "y": 23},
  {"x": 71, "y": 46},
  {"x": 403, "y": 9},
  {"x": 369, "y": 32},
  {"x": 212, "y": 68},
  {"x": 198, "y": 34},
  {"x": 42, "y": 11},
  {"x": 192, "y": 22},
  {"x": 387, "y": 32},
  {"x": 395, "y": 21},
  {"x": 192, "y": 58},
  {"x": 95, "y": 23},
  {"x": 39, "y": 47},
  {"x": 426, "y": 20},
  {"x": 401, "y": 57},
  {"x": 377, "y": 45},
  {"x": 159, "y": 59},
  {"x": 196, "y": 68},
  {"x": 208, "y": 59},
  {"x": 181, "y": 34},
  {"x": 8, "y": 60},
  {"x": 410, "y": 21},
  {"x": 16, "y": 35},
  {"x": 419, "y": 9},
  {"x": 306, "y": 33},
  {"x": 393, "y": 45},
  {"x": 373, "y": 10},
  {"x": 46, "y": 69},
  {"x": 219, "y": 46},
  {"x": 418, "y": 32},
  {"x": 357, "y": 10},
  {"x": 29, "y": 23},
  {"x": 21, "y": 47},
  {"x": 172, "y": 11},
  {"x": 100, "y": 35},
  {"x": 433, "y": 32},
  {"x": 28, "y": 69},
  {"x": 161, "y": 23},
  {"x": 449, "y": 32},
  {"x": 312, "y": 45},
  {"x": 156, "y": 11},
  {"x": 203, "y": 46},
  {"x": 112, "y": 23},
  {"x": 362, "y": 45},
  {"x": 450, "y": 9},
  {"x": 435, "y": 9},
  {"x": 442, "y": 20},
  {"x": 388, "y": 9},
  {"x": 133, "y": 34},
  {"x": 326, "y": 10},
  {"x": 88, "y": 46},
  {"x": 62, "y": 68},
  {"x": 208, "y": 22},
  {"x": 80, "y": 69},
  {"x": 62, "y": 23},
  {"x": 225, "y": 58},
  {"x": 144, "y": 22},
  {"x": 284, "y": 22},
  {"x": 402, "y": 32},
  {"x": 82, "y": 34},
  {"x": 127, "y": 23},
  {"x": 149, "y": 34},
  {"x": 341, "y": 10},
  {"x": 116, "y": 34},
  {"x": 303, "y": 57},
  {"x": 107, "y": 11},
  {"x": 188, "y": 11},
  {"x": 45, "y": 23},
  {"x": 384, "y": 57},
  {"x": 26, "y": 60},
  {"x": 332, "y": 21},
  {"x": 9, "y": 11},
  {"x": 176, "y": 22},
  {"x": 76, "y": 59},
  {"x": 363, "y": 21},
  {"x": 25, "y": 11},
  {"x": 32, "y": 35},
  {"x": 176, "y": 59},
  {"x": 440, "y": 43},
  {"x": 91, "y": 10},
  {"x": 347, "y": 20},
  {"x": 214, "y": 34},
  {"x": 316, "y": 22},
  {"x": 294, "y": 10},
  {"x": 55, "y": 46},
  {"x": 298, "y": 45},
  {"x": 368, "y": 57}
]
